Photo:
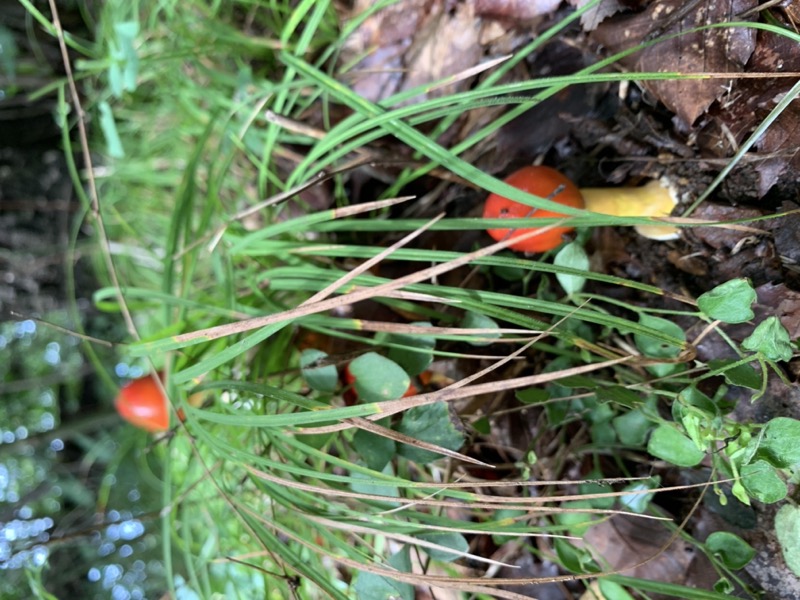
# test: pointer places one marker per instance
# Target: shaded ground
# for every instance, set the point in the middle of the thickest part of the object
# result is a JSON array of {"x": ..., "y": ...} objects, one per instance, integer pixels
[{"x": 608, "y": 134}]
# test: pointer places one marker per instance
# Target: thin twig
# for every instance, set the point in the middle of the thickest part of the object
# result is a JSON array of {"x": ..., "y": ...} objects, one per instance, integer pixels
[{"x": 87, "y": 158}]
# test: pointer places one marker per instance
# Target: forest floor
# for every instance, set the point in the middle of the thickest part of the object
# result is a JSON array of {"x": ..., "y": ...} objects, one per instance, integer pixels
[{"x": 685, "y": 131}]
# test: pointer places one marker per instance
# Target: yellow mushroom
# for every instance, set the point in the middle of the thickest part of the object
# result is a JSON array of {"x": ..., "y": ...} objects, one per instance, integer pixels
[{"x": 654, "y": 199}]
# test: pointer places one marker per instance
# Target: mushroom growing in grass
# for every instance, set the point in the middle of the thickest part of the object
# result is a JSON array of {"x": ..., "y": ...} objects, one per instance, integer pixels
[
  {"x": 651, "y": 200},
  {"x": 539, "y": 181},
  {"x": 143, "y": 405}
]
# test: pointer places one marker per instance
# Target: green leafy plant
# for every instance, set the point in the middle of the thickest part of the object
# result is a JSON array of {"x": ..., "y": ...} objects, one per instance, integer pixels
[{"x": 216, "y": 275}]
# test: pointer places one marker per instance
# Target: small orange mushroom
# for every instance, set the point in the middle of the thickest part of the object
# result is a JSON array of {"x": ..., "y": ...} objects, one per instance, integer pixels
[
  {"x": 142, "y": 404},
  {"x": 651, "y": 200},
  {"x": 539, "y": 181}
]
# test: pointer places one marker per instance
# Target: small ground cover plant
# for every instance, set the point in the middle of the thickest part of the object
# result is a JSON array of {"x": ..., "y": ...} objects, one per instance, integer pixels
[{"x": 392, "y": 399}]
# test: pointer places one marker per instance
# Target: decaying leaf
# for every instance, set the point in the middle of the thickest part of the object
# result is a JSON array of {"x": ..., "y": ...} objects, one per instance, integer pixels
[
  {"x": 782, "y": 142},
  {"x": 411, "y": 43},
  {"x": 786, "y": 233},
  {"x": 732, "y": 108},
  {"x": 598, "y": 13},
  {"x": 446, "y": 45},
  {"x": 752, "y": 99},
  {"x": 516, "y": 10},
  {"x": 628, "y": 542},
  {"x": 719, "y": 50}
]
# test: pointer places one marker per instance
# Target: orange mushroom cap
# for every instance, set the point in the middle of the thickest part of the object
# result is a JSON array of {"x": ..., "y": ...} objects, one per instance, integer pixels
[
  {"x": 142, "y": 404},
  {"x": 539, "y": 181}
]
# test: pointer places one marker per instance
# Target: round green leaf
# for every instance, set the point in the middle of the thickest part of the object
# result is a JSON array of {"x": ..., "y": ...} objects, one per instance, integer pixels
[
  {"x": 572, "y": 558},
  {"x": 504, "y": 519},
  {"x": 639, "y": 502},
  {"x": 778, "y": 442},
  {"x": 370, "y": 586},
  {"x": 741, "y": 375},
  {"x": 377, "y": 378},
  {"x": 632, "y": 427},
  {"x": 573, "y": 256},
  {"x": 762, "y": 482},
  {"x": 375, "y": 450},
  {"x": 577, "y": 522},
  {"x": 729, "y": 302},
  {"x": 671, "y": 445},
  {"x": 532, "y": 395},
  {"x": 787, "y": 528},
  {"x": 430, "y": 423},
  {"x": 771, "y": 340},
  {"x": 473, "y": 320},
  {"x": 508, "y": 272},
  {"x": 603, "y": 434},
  {"x": 322, "y": 379},
  {"x": 417, "y": 354},
  {"x": 453, "y": 540},
  {"x": 612, "y": 590},
  {"x": 482, "y": 426},
  {"x": 590, "y": 488},
  {"x": 734, "y": 552},
  {"x": 654, "y": 347},
  {"x": 691, "y": 396}
]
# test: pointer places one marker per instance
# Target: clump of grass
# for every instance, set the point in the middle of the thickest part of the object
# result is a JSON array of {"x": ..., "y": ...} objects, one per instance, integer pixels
[{"x": 274, "y": 478}]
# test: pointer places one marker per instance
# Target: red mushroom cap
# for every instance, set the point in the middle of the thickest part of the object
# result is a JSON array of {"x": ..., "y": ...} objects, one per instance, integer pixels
[
  {"x": 142, "y": 404},
  {"x": 542, "y": 182}
]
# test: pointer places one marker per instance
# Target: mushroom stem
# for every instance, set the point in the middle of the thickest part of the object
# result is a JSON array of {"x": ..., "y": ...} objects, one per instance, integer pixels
[{"x": 654, "y": 199}]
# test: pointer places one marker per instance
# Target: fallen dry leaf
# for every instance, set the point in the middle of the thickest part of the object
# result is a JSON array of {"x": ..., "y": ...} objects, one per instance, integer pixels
[
  {"x": 786, "y": 233},
  {"x": 411, "y": 43},
  {"x": 624, "y": 541},
  {"x": 710, "y": 50},
  {"x": 753, "y": 99},
  {"x": 382, "y": 40},
  {"x": 599, "y": 12},
  {"x": 446, "y": 45},
  {"x": 515, "y": 10},
  {"x": 732, "y": 108},
  {"x": 782, "y": 142},
  {"x": 722, "y": 238}
]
